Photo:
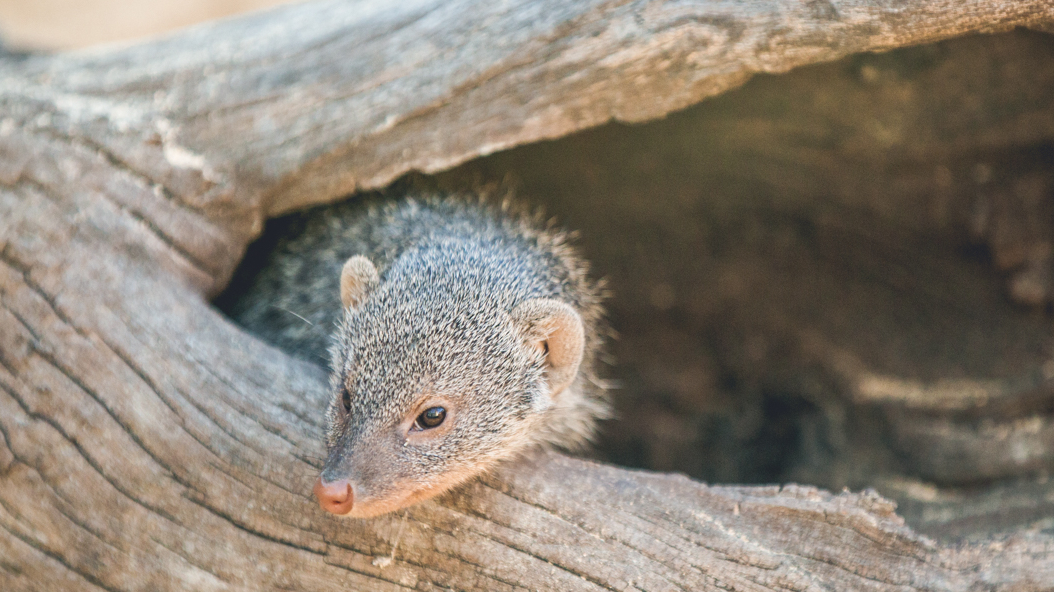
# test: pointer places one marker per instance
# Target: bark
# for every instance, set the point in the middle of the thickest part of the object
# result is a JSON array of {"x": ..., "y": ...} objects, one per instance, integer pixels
[{"x": 147, "y": 443}]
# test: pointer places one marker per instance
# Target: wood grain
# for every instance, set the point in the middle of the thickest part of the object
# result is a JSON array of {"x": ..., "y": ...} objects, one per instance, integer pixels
[{"x": 148, "y": 444}]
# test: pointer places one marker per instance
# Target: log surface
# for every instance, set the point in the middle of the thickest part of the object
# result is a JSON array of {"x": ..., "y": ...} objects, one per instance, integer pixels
[{"x": 148, "y": 444}]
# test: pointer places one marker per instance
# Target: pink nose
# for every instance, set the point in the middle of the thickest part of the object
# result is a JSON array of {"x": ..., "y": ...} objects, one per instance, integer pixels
[{"x": 336, "y": 497}]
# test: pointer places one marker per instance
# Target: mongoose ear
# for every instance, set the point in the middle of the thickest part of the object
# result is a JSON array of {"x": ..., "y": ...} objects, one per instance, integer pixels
[
  {"x": 556, "y": 330},
  {"x": 357, "y": 279}
]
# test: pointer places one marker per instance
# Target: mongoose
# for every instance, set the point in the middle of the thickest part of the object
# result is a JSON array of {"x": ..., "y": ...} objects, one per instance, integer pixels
[{"x": 465, "y": 334}]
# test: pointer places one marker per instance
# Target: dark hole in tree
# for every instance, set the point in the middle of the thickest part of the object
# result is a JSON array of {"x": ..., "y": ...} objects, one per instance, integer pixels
[{"x": 839, "y": 276}]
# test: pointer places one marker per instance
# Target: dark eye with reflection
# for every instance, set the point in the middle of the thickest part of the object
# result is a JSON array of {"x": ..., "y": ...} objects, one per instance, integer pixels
[
  {"x": 430, "y": 418},
  {"x": 346, "y": 399}
]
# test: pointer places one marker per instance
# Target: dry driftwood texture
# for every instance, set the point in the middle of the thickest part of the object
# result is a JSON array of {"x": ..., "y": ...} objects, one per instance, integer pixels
[{"x": 149, "y": 444}]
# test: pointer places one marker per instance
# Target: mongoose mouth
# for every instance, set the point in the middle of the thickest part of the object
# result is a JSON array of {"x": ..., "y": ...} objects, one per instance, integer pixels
[{"x": 340, "y": 497}]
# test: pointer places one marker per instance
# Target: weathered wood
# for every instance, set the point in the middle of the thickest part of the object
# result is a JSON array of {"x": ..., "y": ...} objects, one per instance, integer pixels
[
  {"x": 252, "y": 117},
  {"x": 149, "y": 444}
]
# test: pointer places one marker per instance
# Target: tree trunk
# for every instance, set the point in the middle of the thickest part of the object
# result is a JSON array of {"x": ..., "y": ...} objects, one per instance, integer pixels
[{"x": 147, "y": 443}]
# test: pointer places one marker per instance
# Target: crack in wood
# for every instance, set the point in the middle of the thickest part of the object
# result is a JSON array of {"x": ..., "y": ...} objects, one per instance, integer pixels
[
  {"x": 175, "y": 550},
  {"x": 722, "y": 554},
  {"x": 85, "y": 575},
  {"x": 271, "y": 430},
  {"x": 145, "y": 180},
  {"x": 365, "y": 574},
  {"x": 659, "y": 560},
  {"x": 144, "y": 222},
  {"x": 87, "y": 458},
  {"x": 223, "y": 465},
  {"x": 248, "y": 529}
]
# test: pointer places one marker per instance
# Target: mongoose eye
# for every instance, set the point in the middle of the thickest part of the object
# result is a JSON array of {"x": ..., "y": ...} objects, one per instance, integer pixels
[
  {"x": 430, "y": 418},
  {"x": 346, "y": 399}
]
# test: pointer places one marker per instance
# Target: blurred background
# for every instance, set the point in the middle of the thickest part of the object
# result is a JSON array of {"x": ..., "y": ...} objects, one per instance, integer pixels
[{"x": 71, "y": 24}]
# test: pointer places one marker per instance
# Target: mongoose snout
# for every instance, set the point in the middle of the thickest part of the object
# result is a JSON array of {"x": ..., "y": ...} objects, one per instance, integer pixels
[
  {"x": 336, "y": 498},
  {"x": 466, "y": 334}
]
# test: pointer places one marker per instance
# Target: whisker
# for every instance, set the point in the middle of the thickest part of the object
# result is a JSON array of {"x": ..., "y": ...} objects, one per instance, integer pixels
[{"x": 295, "y": 315}]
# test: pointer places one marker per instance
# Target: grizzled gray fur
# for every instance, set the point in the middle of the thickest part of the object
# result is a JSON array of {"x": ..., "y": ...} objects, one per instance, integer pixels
[{"x": 454, "y": 317}]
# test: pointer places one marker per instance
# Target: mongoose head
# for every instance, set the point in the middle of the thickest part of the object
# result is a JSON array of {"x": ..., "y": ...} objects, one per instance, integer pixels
[{"x": 434, "y": 383}]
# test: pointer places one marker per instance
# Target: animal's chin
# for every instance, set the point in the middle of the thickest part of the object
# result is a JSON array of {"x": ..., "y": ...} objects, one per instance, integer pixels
[
  {"x": 372, "y": 507},
  {"x": 371, "y": 510}
]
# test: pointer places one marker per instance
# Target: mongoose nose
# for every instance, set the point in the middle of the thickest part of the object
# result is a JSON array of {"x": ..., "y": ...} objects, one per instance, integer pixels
[{"x": 336, "y": 497}]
